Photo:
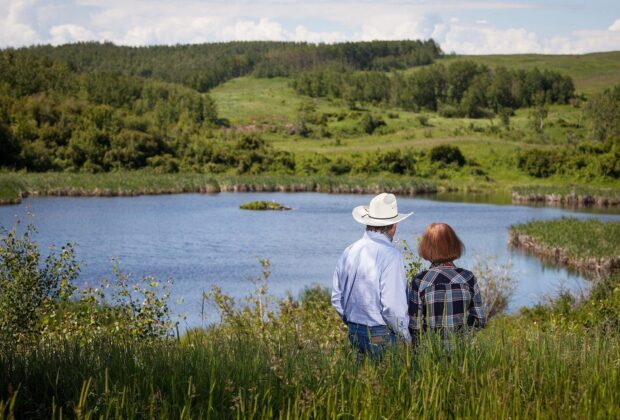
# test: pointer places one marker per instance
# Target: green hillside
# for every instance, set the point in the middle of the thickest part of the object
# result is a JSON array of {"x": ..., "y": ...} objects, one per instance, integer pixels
[
  {"x": 380, "y": 110},
  {"x": 591, "y": 72}
]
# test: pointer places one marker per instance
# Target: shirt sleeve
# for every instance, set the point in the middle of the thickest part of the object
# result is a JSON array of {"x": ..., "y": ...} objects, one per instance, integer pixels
[
  {"x": 393, "y": 287},
  {"x": 416, "y": 308},
  {"x": 337, "y": 286},
  {"x": 476, "y": 316}
]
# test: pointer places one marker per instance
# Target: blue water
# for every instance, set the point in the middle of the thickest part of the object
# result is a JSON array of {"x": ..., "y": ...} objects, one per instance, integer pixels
[{"x": 204, "y": 240}]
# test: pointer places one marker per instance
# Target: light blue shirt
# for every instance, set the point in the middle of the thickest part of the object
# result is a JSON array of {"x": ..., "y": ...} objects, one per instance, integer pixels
[{"x": 369, "y": 285}]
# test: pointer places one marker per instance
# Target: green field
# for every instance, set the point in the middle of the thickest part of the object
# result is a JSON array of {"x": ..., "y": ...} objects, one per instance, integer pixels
[{"x": 244, "y": 103}]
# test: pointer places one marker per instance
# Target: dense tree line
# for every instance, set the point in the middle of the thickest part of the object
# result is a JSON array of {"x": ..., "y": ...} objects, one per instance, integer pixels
[
  {"x": 52, "y": 118},
  {"x": 204, "y": 66},
  {"x": 462, "y": 88},
  {"x": 599, "y": 157}
]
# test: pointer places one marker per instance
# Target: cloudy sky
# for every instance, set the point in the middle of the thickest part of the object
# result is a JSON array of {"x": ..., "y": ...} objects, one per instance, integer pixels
[{"x": 465, "y": 27}]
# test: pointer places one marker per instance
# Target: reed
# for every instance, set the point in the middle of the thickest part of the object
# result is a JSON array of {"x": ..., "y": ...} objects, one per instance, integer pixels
[
  {"x": 567, "y": 195},
  {"x": 588, "y": 245},
  {"x": 14, "y": 186},
  {"x": 297, "y": 365}
]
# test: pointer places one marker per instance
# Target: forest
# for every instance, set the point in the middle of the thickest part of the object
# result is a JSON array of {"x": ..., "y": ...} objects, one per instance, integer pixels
[{"x": 97, "y": 107}]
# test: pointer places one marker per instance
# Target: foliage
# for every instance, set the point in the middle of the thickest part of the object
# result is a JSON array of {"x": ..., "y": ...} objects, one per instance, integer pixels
[
  {"x": 496, "y": 285},
  {"x": 603, "y": 112},
  {"x": 539, "y": 163},
  {"x": 39, "y": 301},
  {"x": 29, "y": 284},
  {"x": 447, "y": 154},
  {"x": 370, "y": 123},
  {"x": 289, "y": 357},
  {"x": 263, "y": 205},
  {"x": 463, "y": 88}
]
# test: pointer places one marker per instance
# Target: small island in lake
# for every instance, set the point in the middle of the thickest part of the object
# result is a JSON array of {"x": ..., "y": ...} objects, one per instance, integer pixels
[{"x": 263, "y": 205}]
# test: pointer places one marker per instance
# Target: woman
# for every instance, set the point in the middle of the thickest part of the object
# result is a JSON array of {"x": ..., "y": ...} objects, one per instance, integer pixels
[{"x": 445, "y": 298}]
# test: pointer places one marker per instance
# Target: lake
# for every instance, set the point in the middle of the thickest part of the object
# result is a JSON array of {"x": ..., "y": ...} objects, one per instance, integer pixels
[{"x": 204, "y": 240}]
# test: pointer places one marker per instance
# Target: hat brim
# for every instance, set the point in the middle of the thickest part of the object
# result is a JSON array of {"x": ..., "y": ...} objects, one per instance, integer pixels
[{"x": 360, "y": 214}]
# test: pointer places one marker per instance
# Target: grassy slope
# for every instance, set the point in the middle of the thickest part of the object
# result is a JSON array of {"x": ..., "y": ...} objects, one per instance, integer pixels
[{"x": 268, "y": 105}]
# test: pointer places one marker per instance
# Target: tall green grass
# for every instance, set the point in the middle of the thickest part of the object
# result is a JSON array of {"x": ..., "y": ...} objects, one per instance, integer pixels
[
  {"x": 568, "y": 190},
  {"x": 16, "y": 185},
  {"x": 300, "y": 367},
  {"x": 578, "y": 237}
]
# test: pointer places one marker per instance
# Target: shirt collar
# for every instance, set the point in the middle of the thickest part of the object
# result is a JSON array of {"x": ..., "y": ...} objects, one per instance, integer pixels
[{"x": 378, "y": 237}]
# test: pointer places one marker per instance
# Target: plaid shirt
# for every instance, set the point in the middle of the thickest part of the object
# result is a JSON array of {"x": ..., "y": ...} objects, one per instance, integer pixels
[{"x": 446, "y": 299}]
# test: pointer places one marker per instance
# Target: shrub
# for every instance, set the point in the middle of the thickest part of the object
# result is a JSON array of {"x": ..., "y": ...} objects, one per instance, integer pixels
[
  {"x": 340, "y": 166},
  {"x": 496, "y": 285},
  {"x": 423, "y": 120},
  {"x": 30, "y": 285},
  {"x": 396, "y": 162},
  {"x": 370, "y": 123},
  {"x": 39, "y": 301},
  {"x": 447, "y": 154},
  {"x": 450, "y": 111},
  {"x": 539, "y": 163}
]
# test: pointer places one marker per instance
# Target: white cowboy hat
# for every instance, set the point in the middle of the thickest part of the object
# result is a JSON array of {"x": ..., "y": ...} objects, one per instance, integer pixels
[{"x": 382, "y": 211}]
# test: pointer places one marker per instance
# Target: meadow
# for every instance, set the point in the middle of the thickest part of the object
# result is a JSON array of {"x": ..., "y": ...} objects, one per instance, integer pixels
[{"x": 117, "y": 355}]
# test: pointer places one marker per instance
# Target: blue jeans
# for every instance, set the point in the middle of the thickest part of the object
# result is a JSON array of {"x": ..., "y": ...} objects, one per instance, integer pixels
[{"x": 370, "y": 341}]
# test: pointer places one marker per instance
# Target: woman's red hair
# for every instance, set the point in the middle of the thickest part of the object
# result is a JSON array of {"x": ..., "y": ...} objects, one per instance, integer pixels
[{"x": 440, "y": 244}]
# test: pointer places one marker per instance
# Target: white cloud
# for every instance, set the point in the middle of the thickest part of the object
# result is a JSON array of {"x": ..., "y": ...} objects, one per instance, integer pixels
[
  {"x": 584, "y": 42},
  {"x": 63, "y": 34},
  {"x": 13, "y": 31},
  {"x": 147, "y": 22},
  {"x": 249, "y": 30},
  {"x": 468, "y": 39},
  {"x": 306, "y": 35}
]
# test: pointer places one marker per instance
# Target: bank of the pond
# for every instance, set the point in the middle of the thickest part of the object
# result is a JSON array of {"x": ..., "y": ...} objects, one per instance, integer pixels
[
  {"x": 582, "y": 196},
  {"x": 589, "y": 246},
  {"x": 15, "y": 186}
]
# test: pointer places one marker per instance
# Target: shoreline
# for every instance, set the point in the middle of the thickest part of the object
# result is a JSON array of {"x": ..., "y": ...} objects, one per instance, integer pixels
[
  {"x": 592, "y": 268},
  {"x": 214, "y": 187},
  {"x": 16, "y": 186},
  {"x": 573, "y": 200}
]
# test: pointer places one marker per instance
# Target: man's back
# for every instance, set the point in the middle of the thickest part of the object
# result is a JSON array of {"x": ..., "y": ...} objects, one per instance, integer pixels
[{"x": 369, "y": 286}]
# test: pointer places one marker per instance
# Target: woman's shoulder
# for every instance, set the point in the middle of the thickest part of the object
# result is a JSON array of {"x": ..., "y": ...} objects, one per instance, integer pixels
[
  {"x": 468, "y": 276},
  {"x": 420, "y": 275},
  {"x": 464, "y": 272}
]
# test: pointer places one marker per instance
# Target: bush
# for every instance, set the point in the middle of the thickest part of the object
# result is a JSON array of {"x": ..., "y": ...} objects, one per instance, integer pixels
[
  {"x": 539, "y": 163},
  {"x": 396, "y": 162},
  {"x": 371, "y": 123},
  {"x": 340, "y": 166},
  {"x": 447, "y": 154},
  {"x": 29, "y": 286},
  {"x": 39, "y": 301}
]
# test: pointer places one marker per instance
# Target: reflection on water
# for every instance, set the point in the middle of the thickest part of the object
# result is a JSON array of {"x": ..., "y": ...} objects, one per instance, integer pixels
[
  {"x": 203, "y": 240},
  {"x": 506, "y": 199}
]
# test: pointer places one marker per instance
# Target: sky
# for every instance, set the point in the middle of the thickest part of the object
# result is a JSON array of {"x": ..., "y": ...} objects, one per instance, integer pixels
[{"x": 463, "y": 27}]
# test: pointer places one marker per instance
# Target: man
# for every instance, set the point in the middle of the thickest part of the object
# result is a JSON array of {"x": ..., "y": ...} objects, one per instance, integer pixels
[{"x": 369, "y": 286}]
